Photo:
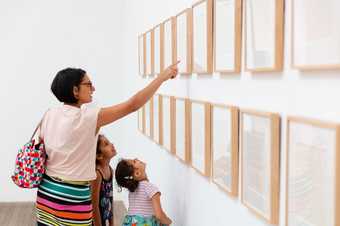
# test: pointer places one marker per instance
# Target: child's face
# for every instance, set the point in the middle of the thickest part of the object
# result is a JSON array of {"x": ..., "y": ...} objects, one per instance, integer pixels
[
  {"x": 139, "y": 168},
  {"x": 107, "y": 149}
]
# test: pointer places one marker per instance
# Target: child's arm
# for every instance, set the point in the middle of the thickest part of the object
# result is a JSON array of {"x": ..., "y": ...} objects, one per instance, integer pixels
[
  {"x": 159, "y": 213},
  {"x": 95, "y": 189}
]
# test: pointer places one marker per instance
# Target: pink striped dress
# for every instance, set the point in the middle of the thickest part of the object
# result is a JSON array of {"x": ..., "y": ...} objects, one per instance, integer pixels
[{"x": 140, "y": 200}]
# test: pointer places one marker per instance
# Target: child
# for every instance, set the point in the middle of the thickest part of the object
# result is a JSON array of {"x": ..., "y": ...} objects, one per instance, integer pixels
[
  {"x": 102, "y": 189},
  {"x": 144, "y": 198}
]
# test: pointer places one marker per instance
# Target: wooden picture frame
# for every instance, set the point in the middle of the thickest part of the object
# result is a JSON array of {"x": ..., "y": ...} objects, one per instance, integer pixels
[
  {"x": 168, "y": 30},
  {"x": 260, "y": 167},
  {"x": 167, "y": 122},
  {"x": 181, "y": 129},
  {"x": 315, "y": 35},
  {"x": 157, "y": 39},
  {"x": 148, "y": 118},
  {"x": 227, "y": 36},
  {"x": 160, "y": 102},
  {"x": 152, "y": 73},
  {"x": 140, "y": 119},
  {"x": 200, "y": 143},
  {"x": 224, "y": 147},
  {"x": 183, "y": 41},
  {"x": 149, "y": 61},
  {"x": 202, "y": 47},
  {"x": 141, "y": 55},
  {"x": 264, "y": 28},
  {"x": 312, "y": 172},
  {"x": 156, "y": 119},
  {"x": 152, "y": 115}
]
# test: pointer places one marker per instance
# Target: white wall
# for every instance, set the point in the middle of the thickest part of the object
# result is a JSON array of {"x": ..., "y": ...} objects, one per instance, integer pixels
[
  {"x": 39, "y": 38},
  {"x": 188, "y": 198}
]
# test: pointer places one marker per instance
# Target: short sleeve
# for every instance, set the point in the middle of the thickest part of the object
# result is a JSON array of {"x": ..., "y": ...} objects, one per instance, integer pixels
[
  {"x": 91, "y": 117},
  {"x": 150, "y": 189}
]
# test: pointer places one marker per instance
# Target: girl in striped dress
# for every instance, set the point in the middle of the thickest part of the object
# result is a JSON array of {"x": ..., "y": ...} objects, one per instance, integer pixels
[
  {"x": 144, "y": 197},
  {"x": 70, "y": 134}
]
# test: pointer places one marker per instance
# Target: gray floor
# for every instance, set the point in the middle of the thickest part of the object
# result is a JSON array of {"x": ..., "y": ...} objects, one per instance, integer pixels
[{"x": 23, "y": 213}]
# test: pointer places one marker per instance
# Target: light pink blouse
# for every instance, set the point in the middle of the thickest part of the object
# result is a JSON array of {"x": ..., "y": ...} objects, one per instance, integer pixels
[{"x": 70, "y": 140}]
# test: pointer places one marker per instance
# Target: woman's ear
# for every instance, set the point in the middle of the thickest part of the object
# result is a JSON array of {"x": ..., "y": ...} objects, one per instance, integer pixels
[{"x": 76, "y": 92}]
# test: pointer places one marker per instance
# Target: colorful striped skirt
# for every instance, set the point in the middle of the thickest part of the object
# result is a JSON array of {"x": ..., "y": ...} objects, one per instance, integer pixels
[{"x": 60, "y": 203}]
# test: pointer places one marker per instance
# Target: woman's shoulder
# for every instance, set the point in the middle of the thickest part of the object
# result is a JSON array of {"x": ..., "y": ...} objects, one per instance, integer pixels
[
  {"x": 69, "y": 111},
  {"x": 55, "y": 110}
]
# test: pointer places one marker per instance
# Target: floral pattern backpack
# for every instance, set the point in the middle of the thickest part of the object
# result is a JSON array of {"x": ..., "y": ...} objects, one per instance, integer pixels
[{"x": 30, "y": 163}]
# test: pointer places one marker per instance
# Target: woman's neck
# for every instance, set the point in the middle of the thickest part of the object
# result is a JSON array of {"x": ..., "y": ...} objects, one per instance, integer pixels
[{"x": 77, "y": 105}]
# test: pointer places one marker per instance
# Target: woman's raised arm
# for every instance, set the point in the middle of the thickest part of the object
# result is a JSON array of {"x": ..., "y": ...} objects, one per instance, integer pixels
[{"x": 108, "y": 115}]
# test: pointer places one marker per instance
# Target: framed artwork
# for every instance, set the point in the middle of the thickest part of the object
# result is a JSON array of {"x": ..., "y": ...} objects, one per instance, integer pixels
[
  {"x": 202, "y": 16},
  {"x": 156, "y": 118},
  {"x": 199, "y": 119},
  {"x": 169, "y": 42},
  {"x": 312, "y": 173},
  {"x": 315, "y": 34},
  {"x": 181, "y": 129},
  {"x": 141, "y": 121},
  {"x": 227, "y": 36},
  {"x": 141, "y": 55},
  {"x": 167, "y": 122},
  {"x": 264, "y": 21},
  {"x": 147, "y": 118},
  {"x": 224, "y": 147},
  {"x": 149, "y": 52},
  {"x": 157, "y": 49},
  {"x": 152, "y": 53},
  {"x": 260, "y": 154},
  {"x": 183, "y": 30},
  {"x": 151, "y": 101}
]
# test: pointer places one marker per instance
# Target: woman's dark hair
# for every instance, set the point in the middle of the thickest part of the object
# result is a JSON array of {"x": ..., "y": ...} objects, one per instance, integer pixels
[
  {"x": 124, "y": 176},
  {"x": 63, "y": 83}
]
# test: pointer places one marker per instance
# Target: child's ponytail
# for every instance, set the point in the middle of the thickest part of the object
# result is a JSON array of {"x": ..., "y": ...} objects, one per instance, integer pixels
[{"x": 124, "y": 176}]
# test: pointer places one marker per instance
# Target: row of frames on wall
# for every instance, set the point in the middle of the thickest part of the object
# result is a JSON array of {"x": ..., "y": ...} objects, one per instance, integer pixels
[
  {"x": 207, "y": 37},
  {"x": 229, "y": 145}
]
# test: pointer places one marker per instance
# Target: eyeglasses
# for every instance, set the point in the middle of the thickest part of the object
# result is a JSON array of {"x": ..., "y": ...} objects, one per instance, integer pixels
[{"x": 88, "y": 84}]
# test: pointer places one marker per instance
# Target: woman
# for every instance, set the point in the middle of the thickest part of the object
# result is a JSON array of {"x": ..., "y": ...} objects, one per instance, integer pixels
[{"x": 70, "y": 135}]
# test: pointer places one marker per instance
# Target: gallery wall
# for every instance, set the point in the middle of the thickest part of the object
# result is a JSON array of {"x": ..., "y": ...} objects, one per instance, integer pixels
[{"x": 185, "y": 193}]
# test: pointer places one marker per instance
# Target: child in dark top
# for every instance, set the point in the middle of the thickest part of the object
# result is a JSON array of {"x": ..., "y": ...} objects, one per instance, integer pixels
[{"x": 102, "y": 187}]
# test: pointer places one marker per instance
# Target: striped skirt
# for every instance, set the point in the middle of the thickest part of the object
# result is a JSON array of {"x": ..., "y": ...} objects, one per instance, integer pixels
[{"x": 61, "y": 203}]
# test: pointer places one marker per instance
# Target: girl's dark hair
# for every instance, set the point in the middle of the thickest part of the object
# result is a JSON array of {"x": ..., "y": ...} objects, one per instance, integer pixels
[
  {"x": 63, "y": 83},
  {"x": 124, "y": 176},
  {"x": 98, "y": 151}
]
